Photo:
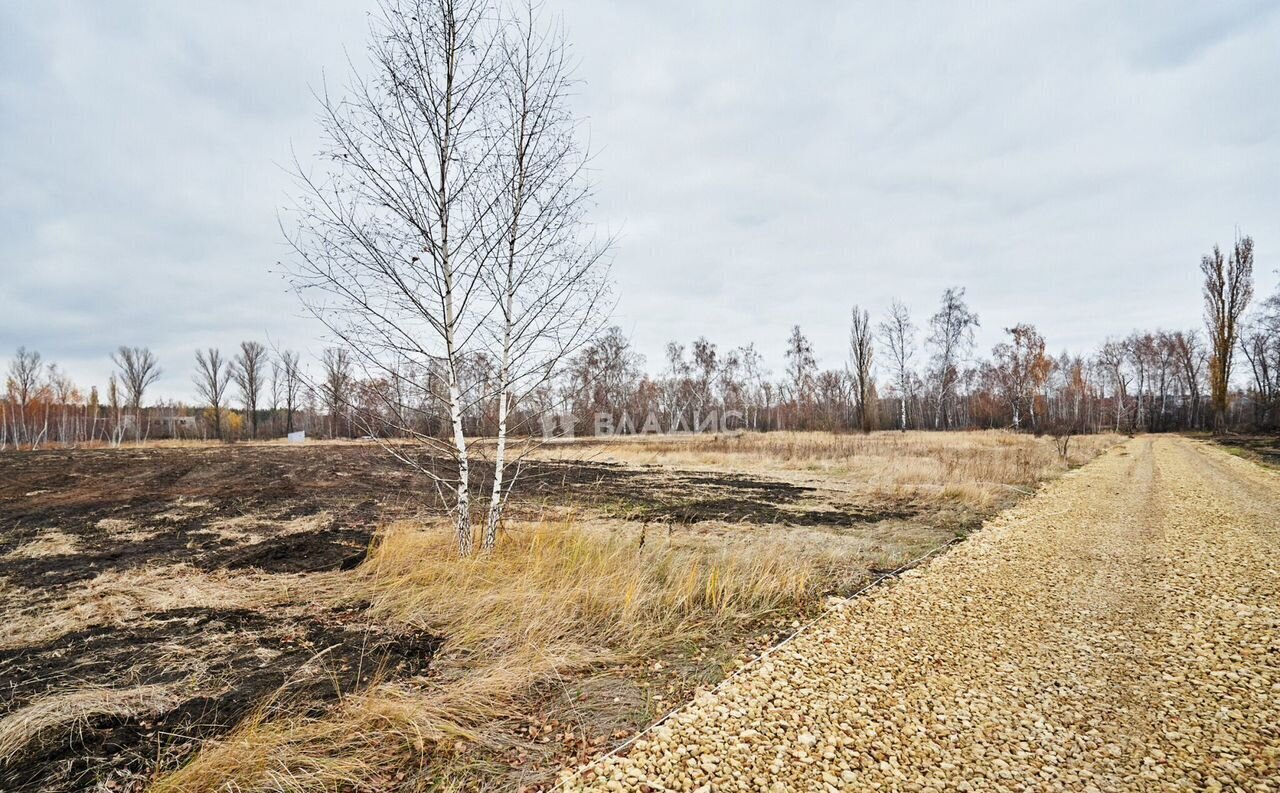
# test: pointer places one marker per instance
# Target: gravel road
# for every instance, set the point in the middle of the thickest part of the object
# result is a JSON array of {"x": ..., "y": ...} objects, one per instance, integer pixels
[{"x": 1119, "y": 631}]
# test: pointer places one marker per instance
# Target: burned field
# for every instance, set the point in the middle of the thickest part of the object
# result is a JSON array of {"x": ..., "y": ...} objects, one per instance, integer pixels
[
  {"x": 156, "y": 598},
  {"x": 1260, "y": 447},
  {"x": 132, "y": 519}
]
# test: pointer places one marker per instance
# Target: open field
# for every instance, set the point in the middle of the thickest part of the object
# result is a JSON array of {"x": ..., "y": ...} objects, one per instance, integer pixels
[{"x": 293, "y": 618}]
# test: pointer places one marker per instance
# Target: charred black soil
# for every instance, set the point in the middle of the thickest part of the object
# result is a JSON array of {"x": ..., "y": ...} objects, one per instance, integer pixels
[
  {"x": 1261, "y": 447},
  {"x": 126, "y": 508},
  {"x": 209, "y": 669}
]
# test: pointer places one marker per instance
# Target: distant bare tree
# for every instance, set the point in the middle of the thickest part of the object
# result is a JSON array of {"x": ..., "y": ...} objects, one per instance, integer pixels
[
  {"x": 861, "y": 352},
  {"x": 1190, "y": 358},
  {"x": 1260, "y": 343},
  {"x": 275, "y": 392},
  {"x": 292, "y": 372},
  {"x": 336, "y": 388},
  {"x": 703, "y": 368},
  {"x": 138, "y": 371},
  {"x": 211, "y": 384},
  {"x": 802, "y": 370},
  {"x": 951, "y": 338},
  {"x": 113, "y": 401},
  {"x": 898, "y": 333},
  {"x": 677, "y": 383},
  {"x": 604, "y": 374},
  {"x": 1228, "y": 287},
  {"x": 248, "y": 370},
  {"x": 1111, "y": 359},
  {"x": 64, "y": 394},
  {"x": 1021, "y": 366}
]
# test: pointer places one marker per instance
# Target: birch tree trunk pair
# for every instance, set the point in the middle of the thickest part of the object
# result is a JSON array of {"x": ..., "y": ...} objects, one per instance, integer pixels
[{"x": 449, "y": 225}]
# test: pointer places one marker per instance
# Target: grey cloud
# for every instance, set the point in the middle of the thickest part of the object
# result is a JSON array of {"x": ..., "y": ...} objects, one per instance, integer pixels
[{"x": 1068, "y": 163}]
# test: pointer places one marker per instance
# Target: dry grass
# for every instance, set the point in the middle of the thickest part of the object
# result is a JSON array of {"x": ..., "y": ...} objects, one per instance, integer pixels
[
  {"x": 63, "y": 713},
  {"x": 249, "y": 528},
  {"x": 555, "y": 599},
  {"x": 974, "y": 468},
  {"x": 121, "y": 597},
  {"x": 47, "y": 543},
  {"x": 368, "y": 740},
  {"x": 562, "y": 584}
]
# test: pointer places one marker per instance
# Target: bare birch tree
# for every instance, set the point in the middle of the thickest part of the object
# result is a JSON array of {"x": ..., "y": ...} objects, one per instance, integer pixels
[
  {"x": 898, "y": 333},
  {"x": 336, "y": 387},
  {"x": 139, "y": 369},
  {"x": 545, "y": 279},
  {"x": 1189, "y": 358},
  {"x": 1020, "y": 367},
  {"x": 211, "y": 383},
  {"x": 23, "y": 382},
  {"x": 390, "y": 241},
  {"x": 1260, "y": 343},
  {"x": 951, "y": 337},
  {"x": 446, "y": 226},
  {"x": 275, "y": 392},
  {"x": 1228, "y": 288},
  {"x": 802, "y": 371},
  {"x": 292, "y": 372},
  {"x": 113, "y": 401}
]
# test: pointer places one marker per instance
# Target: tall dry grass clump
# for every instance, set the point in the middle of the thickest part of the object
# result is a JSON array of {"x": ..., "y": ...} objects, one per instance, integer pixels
[
  {"x": 563, "y": 584},
  {"x": 555, "y": 598}
]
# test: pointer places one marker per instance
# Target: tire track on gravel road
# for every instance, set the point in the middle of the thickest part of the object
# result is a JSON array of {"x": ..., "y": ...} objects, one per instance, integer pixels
[{"x": 1119, "y": 631}]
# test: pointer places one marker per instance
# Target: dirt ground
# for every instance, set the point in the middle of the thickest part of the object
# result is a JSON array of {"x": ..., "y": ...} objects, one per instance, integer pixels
[{"x": 174, "y": 576}]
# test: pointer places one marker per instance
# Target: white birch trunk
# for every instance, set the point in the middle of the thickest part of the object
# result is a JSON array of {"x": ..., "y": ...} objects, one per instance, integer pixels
[
  {"x": 902, "y": 403},
  {"x": 504, "y": 403},
  {"x": 495, "y": 499},
  {"x": 462, "y": 519}
]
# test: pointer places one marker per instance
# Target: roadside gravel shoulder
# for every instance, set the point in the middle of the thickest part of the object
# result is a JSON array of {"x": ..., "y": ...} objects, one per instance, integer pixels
[{"x": 1119, "y": 631}]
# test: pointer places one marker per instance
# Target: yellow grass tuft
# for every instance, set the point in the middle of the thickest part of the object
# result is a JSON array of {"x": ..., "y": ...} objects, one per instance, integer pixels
[{"x": 561, "y": 583}]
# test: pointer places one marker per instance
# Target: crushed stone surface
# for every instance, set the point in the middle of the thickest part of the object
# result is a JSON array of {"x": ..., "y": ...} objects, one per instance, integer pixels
[{"x": 1119, "y": 631}]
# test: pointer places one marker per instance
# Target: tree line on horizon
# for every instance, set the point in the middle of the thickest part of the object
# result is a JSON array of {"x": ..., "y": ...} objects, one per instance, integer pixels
[{"x": 900, "y": 374}]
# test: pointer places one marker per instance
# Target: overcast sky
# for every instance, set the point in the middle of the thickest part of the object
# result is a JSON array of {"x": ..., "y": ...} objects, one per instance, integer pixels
[{"x": 763, "y": 164}]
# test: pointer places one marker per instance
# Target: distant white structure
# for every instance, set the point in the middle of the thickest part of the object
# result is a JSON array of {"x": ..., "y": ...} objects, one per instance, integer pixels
[{"x": 298, "y": 437}]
